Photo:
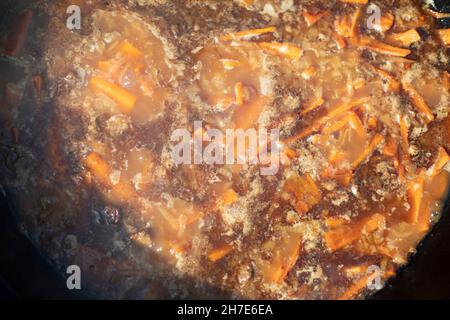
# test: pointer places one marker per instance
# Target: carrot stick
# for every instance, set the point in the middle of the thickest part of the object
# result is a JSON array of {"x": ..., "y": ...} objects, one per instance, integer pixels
[
  {"x": 305, "y": 191},
  {"x": 124, "y": 98},
  {"x": 239, "y": 92},
  {"x": 383, "y": 48},
  {"x": 343, "y": 26},
  {"x": 230, "y": 64},
  {"x": 318, "y": 124},
  {"x": 342, "y": 108},
  {"x": 386, "y": 22},
  {"x": 393, "y": 84},
  {"x": 442, "y": 159},
  {"x": 418, "y": 101},
  {"x": 105, "y": 65},
  {"x": 102, "y": 171},
  {"x": 290, "y": 153},
  {"x": 309, "y": 72},
  {"x": 312, "y": 104},
  {"x": 354, "y": 23},
  {"x": 246, "y": 34},
  {"x": 98, "y": 167},
  {"x": 423, "y": 220},
  {"x": 355, "y": 1},
  {"x": 355, "y": 288},
  {"x": 285, "y": 253},
  {"x": 340, "y": 41},
  {"x": 372, "y": 122},
  {"x": 219, "y": 252},
  {"x": 248, "y": 2},
  {"x": 344, "y": 235},
  {"x": 311, "y": 18},
  {"x": 356, "y": 270},
  {"x": 390, "y": 148},
  {"x": 334, "y": 222},
  {"x": 376, "y": 140},
  {"x": 128, "y": 49},
  {"x": 351, "y": 119},
  {"x": 404, "y": 39},
  {"x": 415, "y": 195},
  {"x": 282, "y": 49}
]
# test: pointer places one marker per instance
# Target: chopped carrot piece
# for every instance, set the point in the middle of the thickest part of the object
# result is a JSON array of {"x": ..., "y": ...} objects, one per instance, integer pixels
[
  {"x": 423, "y": 220},
  {"x": 124, "y": 98},
  {"x": 102, "y": 171},
  {"x": 239, "y": 92},
  {"x": 340, "y": 237},
  {"x": 282, "y": 49},
  {"x": 344, "y": 235},
  {"x": 340, "y": 41},
  {"x": 442, "y": 159},
  {"x": 219, "y": 252},
  {"x": 311, "y": 18},
  {"x": 390, "y": 148},
  {"x": 356, "y": 288},
  {"x": 342, "y": 108},
  {"x": 305, "y": 191},
  {"x": 290, "y": 153},
  {"x": 344, "y": 178},
  {"x": 372, "y": 122},
  {"x": 128, "y": 49},
  {"x": 444, "y": 36},
  {"x": 374, "y": 222},
  {"x": 418, "y": 101},
  {"x": 309, "y": 72},
  {"x": 285, "y": 253},
  {"x": 197, "y": 215},
  {"x": 415, "y": 195},
  {"x": 393, "y": 84},
  {"x": 229, "y": 197},
  {"x": 383, "y": 48},
  {"x": 319, "y": 123},
  {"x": 358, "y": 84},
  {"x": 312, "y": 104},
  {"x": 343, "y": 25},
  {"x": 245, "y": 118},
  {"x": 98, "y": 167},
  {"x": 105, "y": 65},
  {"x": 386, "y": 22},
  {"x": 355, "y": 1},
  {"x": 354, "y": 23},
  {"x": 376, "y": 140},
  {"x": 404, "y": 39},
  {"x": 334, "y": 222},
  {"x": 230, "y": 64},
  {"x": 351, "y": 119},
  {"x": 247, "y": 34},
  {"x": 356, "y": 270}
]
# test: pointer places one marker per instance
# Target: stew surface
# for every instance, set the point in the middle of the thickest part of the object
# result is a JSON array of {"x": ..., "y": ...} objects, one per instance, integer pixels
[{"x": 357, "y": 91}]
